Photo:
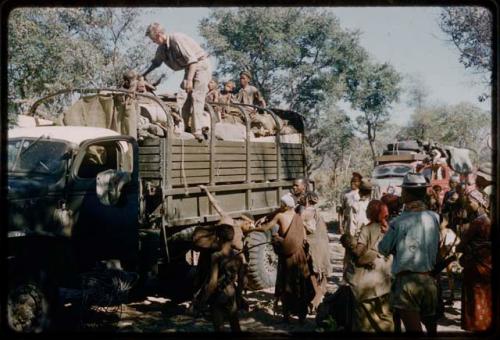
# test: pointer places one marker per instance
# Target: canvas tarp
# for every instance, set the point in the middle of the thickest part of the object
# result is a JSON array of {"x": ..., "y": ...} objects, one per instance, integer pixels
[{"x": 116, "y": 112}]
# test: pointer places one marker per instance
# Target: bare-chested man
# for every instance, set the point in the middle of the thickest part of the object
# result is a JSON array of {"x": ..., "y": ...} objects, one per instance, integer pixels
[{"x": 293, "y": 285}]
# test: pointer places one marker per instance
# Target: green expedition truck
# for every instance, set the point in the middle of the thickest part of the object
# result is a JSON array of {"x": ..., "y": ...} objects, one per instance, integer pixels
[{"x": 82, "y": 195}]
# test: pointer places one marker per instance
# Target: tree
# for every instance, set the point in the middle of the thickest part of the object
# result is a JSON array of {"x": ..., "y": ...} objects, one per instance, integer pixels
[
  {"x": 372, "y": 96},
  {"x": 300, "y": 58},
  {"x": 470, "y": 30},
  {"x": 54, "y": 48},
  {"x": 463, "y": 125},
  {"x": 331, "y": 138},
  {"x": 416, "y": 92},
  {"x": 297, "y": 56}
]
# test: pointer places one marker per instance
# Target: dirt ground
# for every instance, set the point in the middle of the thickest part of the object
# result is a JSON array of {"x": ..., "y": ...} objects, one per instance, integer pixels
[{"x": 159, "y": 314}]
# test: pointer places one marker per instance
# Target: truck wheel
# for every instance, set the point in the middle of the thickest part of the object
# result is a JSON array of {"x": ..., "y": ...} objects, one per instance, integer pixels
[
  {"x": 262, "y": 261},
  {"x": 29, "y": 308}
]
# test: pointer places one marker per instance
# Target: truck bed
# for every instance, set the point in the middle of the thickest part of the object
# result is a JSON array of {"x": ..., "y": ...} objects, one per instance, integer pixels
[{"x": 243, "y": 180}]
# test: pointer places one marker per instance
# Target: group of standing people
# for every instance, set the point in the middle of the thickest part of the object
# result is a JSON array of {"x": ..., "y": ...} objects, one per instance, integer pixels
[
  {"x": 300, "y": 239},
  {"x": 301, "y": 243},
  {"x": 393, "y": 259}
]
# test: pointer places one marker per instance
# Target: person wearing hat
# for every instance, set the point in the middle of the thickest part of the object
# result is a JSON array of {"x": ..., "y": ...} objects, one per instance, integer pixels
[
  {"x": 249, "y": 94},
  {"x": 485, "y": 178},
  {"x": 476, "y": 260},
  {"x": 180, "y": 52},
  {"x": 413, "y": 240}
]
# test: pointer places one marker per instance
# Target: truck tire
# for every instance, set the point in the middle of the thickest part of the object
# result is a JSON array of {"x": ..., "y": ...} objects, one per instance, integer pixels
[
  {"x": 30, "y": 304},
  {"x": 262, "y": 261}
]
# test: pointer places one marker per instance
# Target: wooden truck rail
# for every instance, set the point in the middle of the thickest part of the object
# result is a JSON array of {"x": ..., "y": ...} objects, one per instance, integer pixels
[{"x": 246, "y": 175}]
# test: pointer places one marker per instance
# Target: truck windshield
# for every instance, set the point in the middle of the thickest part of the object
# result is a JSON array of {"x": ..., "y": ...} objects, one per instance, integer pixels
[
  {"x": 31, "y": 155},
  {"x": 398, "y": 170}
]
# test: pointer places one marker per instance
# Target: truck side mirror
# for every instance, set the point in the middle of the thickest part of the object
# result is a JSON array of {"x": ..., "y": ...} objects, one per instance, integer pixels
[{"x": 109, "y": 185}]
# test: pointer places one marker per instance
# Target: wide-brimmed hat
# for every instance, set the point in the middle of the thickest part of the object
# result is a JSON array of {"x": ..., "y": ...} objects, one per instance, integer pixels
[
  {"x": 414, "y": 180},
  {"x": 486, "y": 171}
]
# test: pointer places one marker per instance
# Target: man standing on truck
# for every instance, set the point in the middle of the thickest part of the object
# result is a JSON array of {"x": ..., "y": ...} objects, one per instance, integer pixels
[{"x": 180, "y": 52}]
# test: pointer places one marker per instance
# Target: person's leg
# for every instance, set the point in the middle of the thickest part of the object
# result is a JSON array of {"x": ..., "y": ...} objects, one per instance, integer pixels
[
  {"x": 318, "y": 293},
  {"x": 200, "y": 89},
  {"x": 218, "y": 317},
  {"x": 234, "y": 322},
  {"x": 397, "y": 321},
  {"x": 430, "y": 324},
  {"x": 451, "y": 284},
  {"x": 411, "y": 320}
]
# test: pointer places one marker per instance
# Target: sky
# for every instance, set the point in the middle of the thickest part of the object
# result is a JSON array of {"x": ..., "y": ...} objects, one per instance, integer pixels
[{"x": 409, "y": 38}]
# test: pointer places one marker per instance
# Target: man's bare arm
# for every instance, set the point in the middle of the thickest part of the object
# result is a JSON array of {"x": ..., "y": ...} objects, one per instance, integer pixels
[
  {"x": 268, "y": 225},
  {"x": 213, "y": 201}
]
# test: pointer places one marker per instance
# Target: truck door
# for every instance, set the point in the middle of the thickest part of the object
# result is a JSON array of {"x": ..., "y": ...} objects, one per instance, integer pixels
[{"x": 105, "y": 231}]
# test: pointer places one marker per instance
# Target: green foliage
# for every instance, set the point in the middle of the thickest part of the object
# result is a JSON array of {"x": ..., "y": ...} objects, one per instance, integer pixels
[
  {"x": 337, "y": 126},
  {"x": 461, "y": 125},
  {"x": 469, "y": 28},
  {"x": 373, "y": 95},
  {"x": 302, "y": 59},
  {"x": 54, "y": 48},
  {"x": 297, "y": 56}
]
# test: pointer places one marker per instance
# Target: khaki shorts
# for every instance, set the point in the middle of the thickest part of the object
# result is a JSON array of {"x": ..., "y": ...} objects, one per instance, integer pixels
[{"x": 416, "y": 293}]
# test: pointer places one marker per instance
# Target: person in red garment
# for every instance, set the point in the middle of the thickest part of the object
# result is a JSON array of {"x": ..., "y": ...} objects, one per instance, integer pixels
[{"x": 476, "y": 259}]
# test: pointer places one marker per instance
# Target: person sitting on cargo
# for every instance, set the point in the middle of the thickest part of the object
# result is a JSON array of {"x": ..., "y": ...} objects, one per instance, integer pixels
[
  {"x": 129, "y": 80},
  {"x": 249, "y": 94},
  {"x": 213, "y": 91},
  {"x": 143, "y": 85},
  {"x": 230, "y": 114},
  {"x": 213, "y": 95}
]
